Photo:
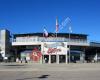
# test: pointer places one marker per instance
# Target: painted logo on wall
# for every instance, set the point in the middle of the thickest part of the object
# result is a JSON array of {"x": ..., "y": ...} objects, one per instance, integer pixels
[{"x": 36, "y": 55}]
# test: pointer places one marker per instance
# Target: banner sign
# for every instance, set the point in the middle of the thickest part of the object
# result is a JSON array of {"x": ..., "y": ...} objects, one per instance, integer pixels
[{"x": 55, "y": 48}]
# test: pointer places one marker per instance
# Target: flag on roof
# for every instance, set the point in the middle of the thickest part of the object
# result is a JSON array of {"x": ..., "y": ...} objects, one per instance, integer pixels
[
  {"x": 70, "y": 29},
  {"x": 57, "y": 25},
  {"x": 45, "y": 32}
]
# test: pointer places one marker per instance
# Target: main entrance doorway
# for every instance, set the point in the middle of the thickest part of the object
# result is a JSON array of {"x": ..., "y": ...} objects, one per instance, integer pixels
[
  {"x": 53, "y": 58},
  {"x": 62, "y": 59},
  {"x": 46, "y": 58}
]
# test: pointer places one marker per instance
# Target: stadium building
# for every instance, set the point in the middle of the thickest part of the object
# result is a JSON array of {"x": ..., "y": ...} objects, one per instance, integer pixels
[{"x": 36, "y": 48}]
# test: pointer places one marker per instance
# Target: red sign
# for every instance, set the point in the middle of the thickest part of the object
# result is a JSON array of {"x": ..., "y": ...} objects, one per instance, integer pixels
[{"x": 53, "y": 50}]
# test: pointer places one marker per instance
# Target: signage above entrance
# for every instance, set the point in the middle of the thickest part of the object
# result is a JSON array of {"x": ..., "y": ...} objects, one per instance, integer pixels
[{"x": 55, "y": 48}]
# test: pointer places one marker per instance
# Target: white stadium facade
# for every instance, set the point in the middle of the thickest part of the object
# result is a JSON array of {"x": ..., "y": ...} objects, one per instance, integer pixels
[{"x": 36, "y": 48}]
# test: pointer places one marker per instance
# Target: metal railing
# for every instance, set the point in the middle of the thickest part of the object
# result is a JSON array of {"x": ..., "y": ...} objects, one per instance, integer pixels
[{"x": 50, "y": 39}]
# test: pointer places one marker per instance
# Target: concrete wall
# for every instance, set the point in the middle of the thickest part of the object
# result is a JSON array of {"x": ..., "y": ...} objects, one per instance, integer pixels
[{"x": 5, "y": 42}]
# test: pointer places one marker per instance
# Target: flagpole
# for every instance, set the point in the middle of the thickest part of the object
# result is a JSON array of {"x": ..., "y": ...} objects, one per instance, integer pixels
[
  {"x": 45, "y": 34},
  {"x": 56, "y": 48},
  {"x": 56, "y": 42},
  {"x": 70, "y": 31},
  {"x": 43, "y": 48},
  {"x": 57, "y": 56},
  {"x": 69, "y": 46}
]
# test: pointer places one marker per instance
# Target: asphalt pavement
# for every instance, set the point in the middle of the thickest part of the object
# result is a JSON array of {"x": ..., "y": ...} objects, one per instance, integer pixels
[
  {"x": 48, "y": 67},
  {"x": 27, "y": 71}
]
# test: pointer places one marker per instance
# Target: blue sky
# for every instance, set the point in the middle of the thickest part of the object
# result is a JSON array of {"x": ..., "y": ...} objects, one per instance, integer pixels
[{"x": 25, "y": 16}]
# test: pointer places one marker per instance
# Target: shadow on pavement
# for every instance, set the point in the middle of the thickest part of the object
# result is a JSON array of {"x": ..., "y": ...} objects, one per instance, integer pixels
[
  {"x": 13, "y": 65},
  {"x": 43, "y": 76},
  {"x": 40, "y": 77}
]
